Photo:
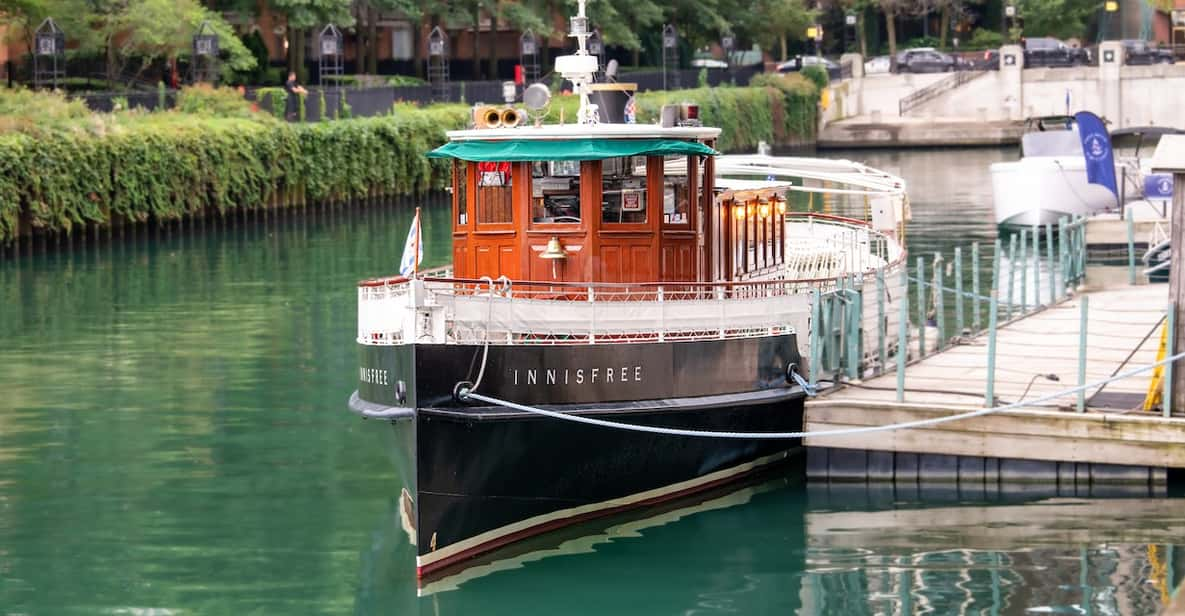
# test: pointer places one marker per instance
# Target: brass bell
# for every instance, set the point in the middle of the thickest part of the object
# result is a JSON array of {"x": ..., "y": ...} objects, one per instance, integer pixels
[{"x": 554, "y": 250}]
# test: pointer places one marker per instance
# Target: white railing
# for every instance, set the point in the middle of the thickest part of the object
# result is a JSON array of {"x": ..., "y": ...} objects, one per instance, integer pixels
[{"x": 442, "y": 310}]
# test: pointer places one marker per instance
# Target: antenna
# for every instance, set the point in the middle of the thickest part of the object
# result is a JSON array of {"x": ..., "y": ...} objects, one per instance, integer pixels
[{"x": 580, "y": 67}]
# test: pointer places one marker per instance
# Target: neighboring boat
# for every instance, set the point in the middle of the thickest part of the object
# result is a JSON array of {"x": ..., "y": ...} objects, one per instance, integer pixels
[
  {"x": 609, "y": 271},
  {"x": 1049, "y": 181}
]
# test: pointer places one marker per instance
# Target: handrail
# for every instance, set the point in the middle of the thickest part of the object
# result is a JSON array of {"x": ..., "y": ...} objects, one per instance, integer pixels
[{"x": 932, "y": 91}]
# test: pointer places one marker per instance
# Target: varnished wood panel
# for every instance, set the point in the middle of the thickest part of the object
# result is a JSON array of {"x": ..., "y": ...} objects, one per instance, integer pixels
[{"x": 678, "y": 259}]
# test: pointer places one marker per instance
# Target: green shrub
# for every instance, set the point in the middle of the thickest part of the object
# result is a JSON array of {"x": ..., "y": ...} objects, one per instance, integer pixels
[
  {"x": 982, "y": 38},
  {"x": 405, "y": 80},
  {"x": 222, "y": 102},
  {"x": 277, "y": 98},
  {"x": 921, "y": 41},
  {"x": 817, "y": 75}
]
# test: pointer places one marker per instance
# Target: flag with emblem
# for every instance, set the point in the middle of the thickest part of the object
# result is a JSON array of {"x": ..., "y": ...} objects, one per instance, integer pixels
[{"x": 413, "y": 249}]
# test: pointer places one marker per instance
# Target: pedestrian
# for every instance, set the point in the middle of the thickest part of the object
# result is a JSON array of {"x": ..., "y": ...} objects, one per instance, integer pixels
[{"x": 295, "y": 91}]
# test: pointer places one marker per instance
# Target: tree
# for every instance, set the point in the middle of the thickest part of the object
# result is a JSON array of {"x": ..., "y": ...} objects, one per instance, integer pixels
[
  {"x": 154, "y": 29},
  {"x": 1056, "y": 18},
  {"x": 304, "y": 15},
  {"x": 892, "y": 10},
  {"x": 775, "y": 22}
]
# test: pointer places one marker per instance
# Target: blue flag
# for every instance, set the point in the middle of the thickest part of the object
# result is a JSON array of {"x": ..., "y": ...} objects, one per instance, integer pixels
[{"x": 1096, "y": 147}]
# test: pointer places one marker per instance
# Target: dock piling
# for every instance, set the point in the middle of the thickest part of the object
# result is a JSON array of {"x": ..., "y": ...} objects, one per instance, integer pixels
[
  {"x": 903, "y": 333},
  {"x": 939, "y": 305},
  {"x": 1063, "y": 254},
  {"x": 816, "y": 320},
  {"x": 881, "y": 354},
  {"x": 1023, "y": 265},
  {"x": 989, "y": 397},
  {"x": 975, "y": 320},
  {"x": 1131, "y": 248},
  {"x": 1082, "y": 352},
  {"x": 1011, "y": 273},
  {"x": 995, "y": 292},
  {"x": 959, "y": 290},
  {"x": 1169, "y": 350},
  {"x": 1049, "y": 263},
  {"x": 921, "y": 307},
  {"x": 1036, "y": 266}
]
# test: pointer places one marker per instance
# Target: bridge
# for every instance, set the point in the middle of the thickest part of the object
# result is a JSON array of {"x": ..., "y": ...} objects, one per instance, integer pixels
[{"x": 988, "y": 107}]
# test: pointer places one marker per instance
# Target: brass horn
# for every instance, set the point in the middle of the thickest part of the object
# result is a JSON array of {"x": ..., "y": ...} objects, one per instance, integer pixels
[
  {"x": 511, "y": 117},
  {"x": 487, "y": 117}
]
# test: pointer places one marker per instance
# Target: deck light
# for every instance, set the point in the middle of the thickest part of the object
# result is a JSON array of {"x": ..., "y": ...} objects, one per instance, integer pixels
[
  {"x": 738, "y": 211},
  {"x": 781, "y": 205},
  {"x": 763, "y": 209}
]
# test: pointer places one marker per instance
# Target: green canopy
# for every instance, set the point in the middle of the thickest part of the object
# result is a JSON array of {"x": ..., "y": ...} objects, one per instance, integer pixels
[{"x": 513, "y": 150}]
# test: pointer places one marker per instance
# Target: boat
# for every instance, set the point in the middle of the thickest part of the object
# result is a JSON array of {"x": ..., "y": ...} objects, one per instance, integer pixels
[
  {"x": 1049, "y": 181},
  {"x": 611, "y": 273}
]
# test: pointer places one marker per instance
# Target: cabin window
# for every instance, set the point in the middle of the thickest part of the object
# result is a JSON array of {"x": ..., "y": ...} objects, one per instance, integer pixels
[
  {"x": 494, "y": 193},
  {"x": 461, "y": 191},
  {"x": 623, "y": 191},
  {"x": 676, "y": 193},
  {"x": 555, "y": 192}
]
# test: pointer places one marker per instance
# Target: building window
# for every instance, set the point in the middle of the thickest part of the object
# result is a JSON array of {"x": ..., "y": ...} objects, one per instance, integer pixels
[
  {"x": 494, "y": 193},
  {"x": 401, "y": 41},
  {"x": 623, "y": 191},
  {"x": 555, "y": 192}
]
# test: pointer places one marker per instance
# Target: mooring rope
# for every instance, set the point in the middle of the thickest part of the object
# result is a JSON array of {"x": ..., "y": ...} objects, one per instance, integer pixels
[{"x": 466, "y": 394}]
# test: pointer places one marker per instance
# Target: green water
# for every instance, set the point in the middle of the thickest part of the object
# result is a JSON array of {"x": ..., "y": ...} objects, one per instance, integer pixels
[{"x": 174, "y": 439}]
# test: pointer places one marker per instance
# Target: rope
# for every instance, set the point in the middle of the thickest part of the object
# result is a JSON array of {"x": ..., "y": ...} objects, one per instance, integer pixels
[{"x": 466, "y": 394}]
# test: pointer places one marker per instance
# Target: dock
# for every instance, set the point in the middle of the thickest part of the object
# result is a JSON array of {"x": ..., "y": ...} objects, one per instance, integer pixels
[{"x": 1101, "y": 436}]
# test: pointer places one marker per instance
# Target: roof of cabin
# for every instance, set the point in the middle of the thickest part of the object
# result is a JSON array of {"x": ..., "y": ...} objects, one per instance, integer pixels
[
  {"x": 512, "y": 150},
  {"x": 586, "y": 131}
]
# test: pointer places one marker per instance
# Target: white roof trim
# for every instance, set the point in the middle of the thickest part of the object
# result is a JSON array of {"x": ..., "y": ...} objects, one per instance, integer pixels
[{"x": 586, "y": 131}]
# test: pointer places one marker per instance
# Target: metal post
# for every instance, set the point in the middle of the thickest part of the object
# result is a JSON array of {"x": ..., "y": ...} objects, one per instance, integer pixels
[
  {"x": 1036, "y": 267},
  {"x": 1169, "y": 351},
  {"x": 1082, "y": 352},
  {"x": 903, "y": 333},
  {"x": 1024, "y": 271},
  {"x": 1011, "y": 272},
  {"x": 939, "y": 312},
  {"x": 1049, "y": 263},
  {"x": 1131, "y": 249},
  {"x": 881, "y": 354},
  {"x": 1063, "y": 250},
  {"x": 816, "y": 328},
  {"x": 959, "y": 290},
  {"x": 852, "y": 327},
  {"x": 999, "y": 248},
  {"x": 975, "y": 321},
  {"x": 989, "y": 398},
  {"x": 921, "y": 307}
]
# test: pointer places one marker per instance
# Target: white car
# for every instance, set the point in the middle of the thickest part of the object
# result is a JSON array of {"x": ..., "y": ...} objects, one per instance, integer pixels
[{"x": 708, "y": 63}]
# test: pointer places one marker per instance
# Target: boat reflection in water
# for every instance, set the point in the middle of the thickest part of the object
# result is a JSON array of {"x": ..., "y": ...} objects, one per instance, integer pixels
[{"x": 779, "y": 546}]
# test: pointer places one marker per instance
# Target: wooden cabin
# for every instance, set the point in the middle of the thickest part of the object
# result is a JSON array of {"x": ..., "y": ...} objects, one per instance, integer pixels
[{"x": 604, "y": 203}]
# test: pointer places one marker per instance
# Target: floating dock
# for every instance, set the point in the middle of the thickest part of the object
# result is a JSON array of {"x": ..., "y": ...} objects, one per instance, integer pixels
[{"x": 1101, "y": 436}]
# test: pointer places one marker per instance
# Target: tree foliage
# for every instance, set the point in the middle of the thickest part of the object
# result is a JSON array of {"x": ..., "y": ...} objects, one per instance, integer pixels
[{"x": 1056, "y": 18}]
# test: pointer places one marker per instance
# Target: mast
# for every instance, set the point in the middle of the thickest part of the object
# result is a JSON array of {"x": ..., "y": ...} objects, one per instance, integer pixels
[{"x": 580, "y": 67}]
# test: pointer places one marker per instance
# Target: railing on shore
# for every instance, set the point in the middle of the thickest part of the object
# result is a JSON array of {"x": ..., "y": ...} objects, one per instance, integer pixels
[{"x": 921, "y": 96}]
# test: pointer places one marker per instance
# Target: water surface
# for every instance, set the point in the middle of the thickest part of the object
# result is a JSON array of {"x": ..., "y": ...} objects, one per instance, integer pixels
[{"x": 174, "y": 439}]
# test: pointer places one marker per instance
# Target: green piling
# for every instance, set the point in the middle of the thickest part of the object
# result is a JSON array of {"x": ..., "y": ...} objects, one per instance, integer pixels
[
  {"x": 1063, "y": 252},
  {"x": 1170, "y": 323},
  {"x": 975, "y": 321},
  {"x": 903, "y": 333},
  {"x": 881, "y": 353},
  {"x": 1011, "y": 273},
  {"x": 921, "y": 277},
  {"x": 1023, "y": 266},
  {"x": 1131, "y": 248},
  {"x": 939, "y": 304},
  {"x": 959, "y": 290},
  {"x": 1049, "y": 263},
  {"x": 816, "y": 353},
  {"x": 1082, "y": 319},
  {"x": 989, "y": 397}
]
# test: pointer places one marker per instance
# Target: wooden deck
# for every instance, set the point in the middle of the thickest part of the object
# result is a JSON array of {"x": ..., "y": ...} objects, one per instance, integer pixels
[{"x": 1113, "y": 431}]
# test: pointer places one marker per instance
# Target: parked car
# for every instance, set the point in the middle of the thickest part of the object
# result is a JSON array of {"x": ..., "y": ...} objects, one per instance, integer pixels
[
  {"x": 925, "y": 60},
  {"x": 877, "y": 65},
  {"x": 708, "y": 63},
  {"x": 991, "y": 59},
  {"x": 1047, "y": 51},
  {"x": 801, "y": 62},
  {"x": 1136, "y": 51}
]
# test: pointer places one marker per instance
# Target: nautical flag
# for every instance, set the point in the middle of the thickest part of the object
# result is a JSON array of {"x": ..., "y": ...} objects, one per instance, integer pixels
[
  {"x": 1096, "y": 147},
  {"x": 413, "y": 249}
]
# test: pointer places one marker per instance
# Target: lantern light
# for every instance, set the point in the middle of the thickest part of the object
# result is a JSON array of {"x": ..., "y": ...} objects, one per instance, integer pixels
[{"x": 739, "y": 212}]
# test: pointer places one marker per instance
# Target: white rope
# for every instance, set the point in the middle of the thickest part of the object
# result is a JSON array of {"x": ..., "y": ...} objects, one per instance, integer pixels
[{"x": 921, "y": 423}]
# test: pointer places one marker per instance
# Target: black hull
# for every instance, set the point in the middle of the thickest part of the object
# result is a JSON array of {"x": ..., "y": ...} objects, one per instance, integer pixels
[{"x": 479, "y": 478}]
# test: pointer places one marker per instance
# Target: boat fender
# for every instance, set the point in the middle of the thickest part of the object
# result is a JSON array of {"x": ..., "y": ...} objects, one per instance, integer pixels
[
  {"x": 461, "y": 391},
  {"x": 401, "y": 392}
]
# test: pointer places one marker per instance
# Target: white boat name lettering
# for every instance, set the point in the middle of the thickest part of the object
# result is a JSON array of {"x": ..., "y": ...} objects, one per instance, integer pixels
[
  {"x": 374, "y": 376},
  {"x": 577, "y": 376}
]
